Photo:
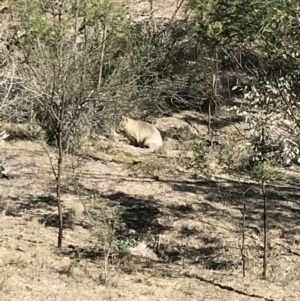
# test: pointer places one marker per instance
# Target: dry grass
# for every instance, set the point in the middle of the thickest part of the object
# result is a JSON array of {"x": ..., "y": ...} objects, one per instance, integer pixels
[
  {"x": 199, "y": 255},
  {"x": 161, "y": 9}
]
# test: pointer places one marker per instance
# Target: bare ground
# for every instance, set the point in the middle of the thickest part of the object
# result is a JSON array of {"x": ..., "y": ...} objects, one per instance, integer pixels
[{"x": 199, "y": 256}]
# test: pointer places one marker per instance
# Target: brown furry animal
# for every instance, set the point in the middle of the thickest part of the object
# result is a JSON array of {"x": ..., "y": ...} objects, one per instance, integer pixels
[{"x": 140, "y": 133}]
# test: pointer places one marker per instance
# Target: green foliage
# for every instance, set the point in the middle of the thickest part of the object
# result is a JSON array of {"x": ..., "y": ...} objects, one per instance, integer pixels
[
  {"x": 106, "y": 223},
  {"x": 227, "y": 157},
  {"x": 266, "y": 171},
  {"x": 200, "y": 152},
  {"x": 205, "y": 24},
  {"x": 67, "y": 69},
  {"x": 121, "y": 67},
  {"x": 123, "y": 244},
  {"x": 266, "y": 29},
  {"x": 240, "y": 22},
  {"x": 234, "y": 150},
  {"x": 271, "y": 111}
]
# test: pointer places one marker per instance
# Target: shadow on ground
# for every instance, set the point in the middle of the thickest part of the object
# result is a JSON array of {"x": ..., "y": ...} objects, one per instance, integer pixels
[
  {"x": 147, "y": 218},
  {"x": 283, "y": 202},
  {"x": 219, "y": 124},
  {"x": 44, "y": 208}
]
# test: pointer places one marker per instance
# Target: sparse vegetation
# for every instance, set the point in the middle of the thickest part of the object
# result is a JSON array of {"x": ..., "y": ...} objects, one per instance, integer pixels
[
  {"x": 200, "y": 151},
  {"x": 219, "y": 80},
  {"x": 106, "y": 223}
]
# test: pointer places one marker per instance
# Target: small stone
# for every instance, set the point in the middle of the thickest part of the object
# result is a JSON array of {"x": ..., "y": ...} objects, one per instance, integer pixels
[{"x": 21, "y": 248}]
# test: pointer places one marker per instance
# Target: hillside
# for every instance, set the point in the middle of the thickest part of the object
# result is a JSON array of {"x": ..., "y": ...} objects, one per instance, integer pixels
[
  {"x": 186, "y": 223},
  {"x": 200, "y": 255}
]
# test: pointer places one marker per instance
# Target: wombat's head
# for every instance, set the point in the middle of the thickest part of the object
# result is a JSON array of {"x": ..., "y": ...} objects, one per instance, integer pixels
[{"x": 122, "y": 124}]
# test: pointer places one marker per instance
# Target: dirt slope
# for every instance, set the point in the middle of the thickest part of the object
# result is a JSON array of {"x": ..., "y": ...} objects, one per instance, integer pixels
[{"x": 202, "y": 255}]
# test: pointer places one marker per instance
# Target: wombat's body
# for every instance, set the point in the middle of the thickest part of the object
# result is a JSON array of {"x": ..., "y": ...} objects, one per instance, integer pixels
[{"x": 140, "y": 133}]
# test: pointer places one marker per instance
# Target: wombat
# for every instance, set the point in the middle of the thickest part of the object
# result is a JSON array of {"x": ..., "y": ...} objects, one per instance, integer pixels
[{"x": 140, "y": 133}]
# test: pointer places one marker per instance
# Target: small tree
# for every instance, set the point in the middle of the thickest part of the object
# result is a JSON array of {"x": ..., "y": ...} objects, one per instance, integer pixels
[
  {"x": 63, "y": 71},
  {"x": 261, "y": 39}
]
